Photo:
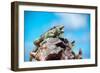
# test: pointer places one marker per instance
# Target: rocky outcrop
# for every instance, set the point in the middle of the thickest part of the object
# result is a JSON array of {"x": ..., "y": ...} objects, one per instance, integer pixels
[{"x": 52, "y": 46}]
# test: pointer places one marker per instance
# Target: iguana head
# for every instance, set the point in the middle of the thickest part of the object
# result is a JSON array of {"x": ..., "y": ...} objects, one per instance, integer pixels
[
  {"x": 56, "y": 31},
  {"x": 60, "y": 28}
]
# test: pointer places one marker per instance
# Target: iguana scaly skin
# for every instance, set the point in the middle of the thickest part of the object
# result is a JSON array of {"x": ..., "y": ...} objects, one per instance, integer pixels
[{"x": 54, "y": 32}]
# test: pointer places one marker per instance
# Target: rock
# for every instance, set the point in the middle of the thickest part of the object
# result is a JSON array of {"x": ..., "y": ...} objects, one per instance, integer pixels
[{"x": 51, "y": 46}]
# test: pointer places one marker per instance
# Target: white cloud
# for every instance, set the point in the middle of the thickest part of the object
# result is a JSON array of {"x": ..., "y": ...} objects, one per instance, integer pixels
[{"x": 74, "y": 21}]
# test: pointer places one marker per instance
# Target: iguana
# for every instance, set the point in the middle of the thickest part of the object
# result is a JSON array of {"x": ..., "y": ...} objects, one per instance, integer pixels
[{"x": 54, "y": 32}]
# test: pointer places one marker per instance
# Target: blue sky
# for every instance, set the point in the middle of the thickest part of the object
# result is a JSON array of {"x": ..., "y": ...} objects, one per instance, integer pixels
[{"x": 76, "y": 27}]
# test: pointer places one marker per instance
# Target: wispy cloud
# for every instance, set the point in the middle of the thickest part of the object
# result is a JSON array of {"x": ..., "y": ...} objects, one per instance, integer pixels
[{"x": 72, "y": 21}]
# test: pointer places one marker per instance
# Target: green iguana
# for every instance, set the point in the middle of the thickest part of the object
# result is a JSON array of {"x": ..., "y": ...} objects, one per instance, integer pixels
[{"x": 54, "y": 32}]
